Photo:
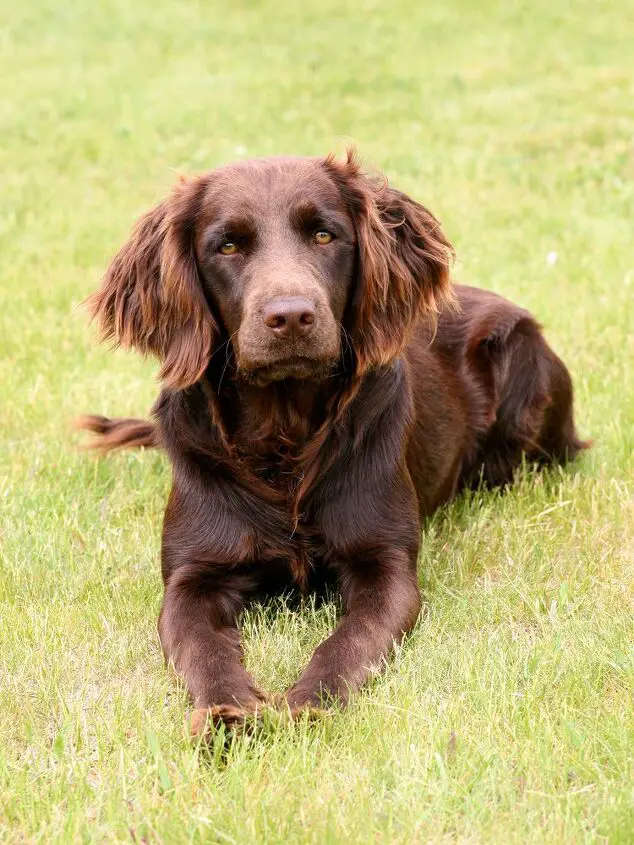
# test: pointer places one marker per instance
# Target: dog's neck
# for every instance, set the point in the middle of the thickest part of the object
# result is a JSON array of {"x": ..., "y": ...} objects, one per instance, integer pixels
[
  {"x": 278, "y": 432},
  {"x": 279, "y": 417}
]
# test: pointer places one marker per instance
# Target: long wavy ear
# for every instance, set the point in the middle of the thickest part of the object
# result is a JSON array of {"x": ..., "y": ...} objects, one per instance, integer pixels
[
  {"x": 404, "y": 261},
  {"x": 151, "y": 297}
]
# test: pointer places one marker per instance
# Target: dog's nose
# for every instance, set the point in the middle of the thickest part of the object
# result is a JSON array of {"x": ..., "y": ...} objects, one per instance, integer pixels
[{"x": 289, "y": 317}]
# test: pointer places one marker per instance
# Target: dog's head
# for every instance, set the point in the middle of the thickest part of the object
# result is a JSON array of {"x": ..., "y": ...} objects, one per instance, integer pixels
[{"x": 285, "y": 260}]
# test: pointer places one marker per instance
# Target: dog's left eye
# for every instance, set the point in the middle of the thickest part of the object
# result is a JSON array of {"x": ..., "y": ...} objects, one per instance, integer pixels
[
  {"x": 323, "y": 237},
  {"x": 228, "y": 248}
]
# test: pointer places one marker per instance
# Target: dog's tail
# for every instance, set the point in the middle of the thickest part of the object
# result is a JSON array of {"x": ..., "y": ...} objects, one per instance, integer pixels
[{"x": 122, "y": 433}]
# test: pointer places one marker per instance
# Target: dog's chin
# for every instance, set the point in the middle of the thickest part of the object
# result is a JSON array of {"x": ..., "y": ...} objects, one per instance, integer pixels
[{"x": 300, "y": 368}]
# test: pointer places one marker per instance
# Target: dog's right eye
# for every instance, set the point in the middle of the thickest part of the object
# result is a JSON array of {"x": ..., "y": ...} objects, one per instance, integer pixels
[{"x": 228, "y": 248}]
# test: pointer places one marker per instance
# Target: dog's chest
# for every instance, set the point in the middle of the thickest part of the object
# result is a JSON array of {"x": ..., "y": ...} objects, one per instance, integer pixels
[
  {"x": 280, "y": 470},
  {"x": 295, "y": 540},
  {"x": 292, "y": 539}
]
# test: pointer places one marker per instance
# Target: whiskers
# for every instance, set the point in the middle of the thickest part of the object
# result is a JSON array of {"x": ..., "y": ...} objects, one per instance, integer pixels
[{"x": 227, "y": 347}]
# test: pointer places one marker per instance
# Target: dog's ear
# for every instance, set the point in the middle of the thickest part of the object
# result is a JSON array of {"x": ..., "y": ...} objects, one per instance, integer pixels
[
  {"x": 404, "y": 261},
  {"x": 151, "y": 297}
]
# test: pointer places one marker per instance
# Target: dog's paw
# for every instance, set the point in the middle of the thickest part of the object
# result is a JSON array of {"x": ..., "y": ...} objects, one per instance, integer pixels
[
  {"x": 309, "y": 713},
  {"x": 201, "y": 721},
  {"x": 295, "y": 711}
]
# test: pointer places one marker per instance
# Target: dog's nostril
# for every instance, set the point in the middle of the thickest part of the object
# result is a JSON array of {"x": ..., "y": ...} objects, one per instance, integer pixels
[
  {"x": 274, "y": 321},
  {"x": 289, "y": 316}
]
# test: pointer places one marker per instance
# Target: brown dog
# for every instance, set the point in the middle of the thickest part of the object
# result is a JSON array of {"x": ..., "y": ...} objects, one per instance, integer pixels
[{"x": 322, "y": 394}]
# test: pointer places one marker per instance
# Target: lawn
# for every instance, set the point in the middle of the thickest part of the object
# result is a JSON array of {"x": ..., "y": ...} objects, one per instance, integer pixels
[{"x": 508, "y": 715}]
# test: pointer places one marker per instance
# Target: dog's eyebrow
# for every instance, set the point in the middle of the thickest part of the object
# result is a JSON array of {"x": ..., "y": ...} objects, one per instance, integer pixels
[
  {"x": 236, "y": 226},
  {"x": 307, "y": 213}
]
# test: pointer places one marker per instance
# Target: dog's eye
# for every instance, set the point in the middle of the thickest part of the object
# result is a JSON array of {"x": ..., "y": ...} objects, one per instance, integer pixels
[
  {"x": 228, "y": 248},
  {"x": 323, "y": 237}
]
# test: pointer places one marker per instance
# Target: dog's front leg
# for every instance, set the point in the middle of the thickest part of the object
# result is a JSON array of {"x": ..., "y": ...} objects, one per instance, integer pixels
[
  {"x": 199, "y": 635},
  {"x": 382, "y": 603}
]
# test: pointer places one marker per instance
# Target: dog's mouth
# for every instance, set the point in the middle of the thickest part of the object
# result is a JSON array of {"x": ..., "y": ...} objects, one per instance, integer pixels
[{"x": 299, "y": 367}]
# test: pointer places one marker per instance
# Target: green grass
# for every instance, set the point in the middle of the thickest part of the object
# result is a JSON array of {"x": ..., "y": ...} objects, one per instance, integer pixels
[{"x": 508, "y": 716}]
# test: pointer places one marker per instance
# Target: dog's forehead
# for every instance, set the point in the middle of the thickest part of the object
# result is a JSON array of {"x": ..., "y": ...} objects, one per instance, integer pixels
[{"x": 266, "y": 186}]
